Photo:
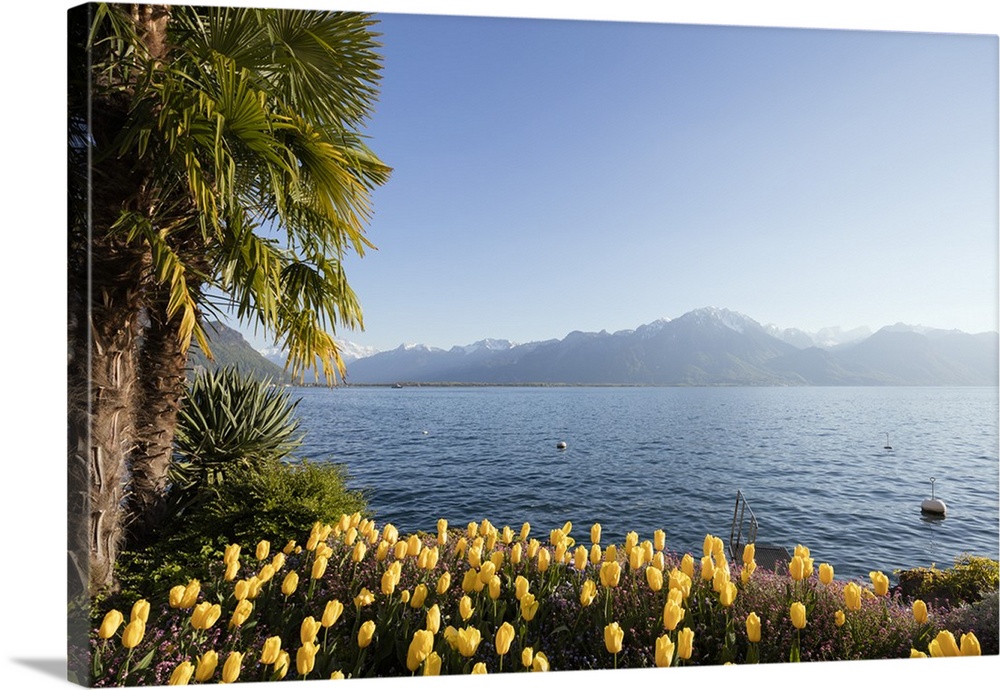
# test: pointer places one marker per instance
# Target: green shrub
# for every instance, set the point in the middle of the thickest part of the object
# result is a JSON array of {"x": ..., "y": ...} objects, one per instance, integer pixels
[
  {"x": 980, "y": 618},
  {"x": 968, "y": 581}
]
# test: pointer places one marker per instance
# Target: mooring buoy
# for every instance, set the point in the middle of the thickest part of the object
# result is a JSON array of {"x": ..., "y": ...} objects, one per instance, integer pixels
[
  {"x": 932, "y": 505},
  {"x": 561, "y": 445}
]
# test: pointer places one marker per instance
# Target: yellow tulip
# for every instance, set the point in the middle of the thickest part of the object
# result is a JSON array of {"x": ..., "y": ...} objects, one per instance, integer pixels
[
  {"x": 432, "y": 665},
  {"x": 468, "y": 640},
  {"x": 680, "y": 581},
  {"x": 364, "y": 598},
  {"x": 507, "y": 535},
  {"x": 479, "y": 668},
  {"x": 797, "y": 568},
  {"x": 707, "y": 568},
  {"x": 205, "y": 668},
  {"x": 610, "y": 574},
  {"x": 263, "y": 549},
  {"x": 753, "y": 627},
  {"x": 749, "y": 551},
  {"x": 444, "y": 582},
  {"x": 266, "y": 573},
  {"x": 659, "y": 561},
  {"x": 494, "y": 587},
  {"x": 802, "y": 551},
  {"x": 309, "y": 629},
  {"x": 241, "y": 613},
  {"x": 205, "y": 615},
  {"x": 529, "y": 606},
  {"x": 798, "y": 613},
  {"x": 587, "y": 592},
  {"x": 664, "y": 651},
  {"x": 182, "y": 674},
  {"x": 527, "y": 656},
  {"x": 255, "y": 584},
  {"x": 654, "y": 578},
  {"x": 365, "y": 634},
  {"x": 970, "y": 645},
  {"x": 839, "y": 618},
  {"x": 290, "y": 583},
  {"x": 673, "y": 614},
  {"x": 358, "y": 552},
  {"x": 825, "y": 573},
  {"x": 433, "y": 619},
  {"x": 676, "y": 596},
  {"x": 133, "y": 633},
  {"x": 382, "y": 550},
  {"x": 504, "y": 636},
  {"x": 318, "y": 567},
  {"x": 289, "y": 547},
  {"x": 389, "y": 580},
  {"x": 852, "y": 596},
  {"x": 708, "y": 545},
  {"x": 944, "y": 645},
  {"x": 232, "y": 570},
  {"x": 337, "y": 675},
  {"x": 399, "y": 550},
  {"x": 331, "y": 613},
  {"x": 420, "y": 647},
  {"x": 728, "y": 595},
  {"x": 595, "y": 554},
  {"x": 540, "y": 662},
  {"x": 525, "y": 531},
  {"x": 241, "y": 590},
  {"x": 140, "y": 609},
  {"x": 231, "y": 669},
  {"x": 270, "y": 651},
  {"x": 305, "y": 658},
  {"x": 487, "y": 571},
  {"x": 390, "y": 533},
  {"x": 613, "y": 636},
  {"x": 465, "y": 608},
  {"x": 635, "y": 558},
  {"x": 515, "y": 553},
  {"x": 917, "y": 654},
  {"x": 611, "y": 554},
  {"x": 450, "y": 636},
  {"x": 413, "y": 545},
  {"x": 281, "y": 666},
  {"x": 580, "y": 557},
  {"x": 521, "y": 587},
  {"x": 351, "y": 536},
  {"x": 543, "y": 560},
  {"x": 720, "y": 578},
  {"x": 190, "y": 596},
  {"x": 419, "y": 595},
  {"x": 109, "y": 626},
  {"x": 232, "y": 554},
  {"x": 919, "y": 611},
  {"x": 880, "y": 582},
  {"x": 687, "y": 565},
  {"x": 685, "y": 643}
]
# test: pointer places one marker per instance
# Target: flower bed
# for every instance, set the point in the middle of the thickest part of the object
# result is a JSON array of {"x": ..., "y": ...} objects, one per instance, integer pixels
[{"x": 358, "y": 601}]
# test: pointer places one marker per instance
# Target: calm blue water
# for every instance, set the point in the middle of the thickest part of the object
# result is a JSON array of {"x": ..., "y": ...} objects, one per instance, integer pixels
[{"x": 810, "y": 461}]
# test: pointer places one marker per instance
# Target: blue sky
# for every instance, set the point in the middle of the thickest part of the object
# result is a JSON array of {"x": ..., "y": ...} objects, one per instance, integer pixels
[{"x": 555, "y": 175}]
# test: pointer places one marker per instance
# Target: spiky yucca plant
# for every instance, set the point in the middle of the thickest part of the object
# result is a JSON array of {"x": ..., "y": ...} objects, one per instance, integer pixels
[{"x": 229, "y": 420}]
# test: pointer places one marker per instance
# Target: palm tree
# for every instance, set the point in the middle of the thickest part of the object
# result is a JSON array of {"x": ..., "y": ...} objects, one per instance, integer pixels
[{"x": 205, "y": 134}]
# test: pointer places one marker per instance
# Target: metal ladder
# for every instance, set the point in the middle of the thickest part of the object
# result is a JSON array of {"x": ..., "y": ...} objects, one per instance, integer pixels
[{"x": 742, "y": 515}]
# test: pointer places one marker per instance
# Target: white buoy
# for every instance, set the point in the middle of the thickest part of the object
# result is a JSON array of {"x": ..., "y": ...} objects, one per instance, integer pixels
[
  {"x": 887, "y": 446},
  {"x": 561, "y": 445},
  {"x": 933, "y": 506}
]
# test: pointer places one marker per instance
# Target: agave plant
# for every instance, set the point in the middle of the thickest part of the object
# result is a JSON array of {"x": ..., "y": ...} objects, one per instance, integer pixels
[{"x": 228, "y": 420}]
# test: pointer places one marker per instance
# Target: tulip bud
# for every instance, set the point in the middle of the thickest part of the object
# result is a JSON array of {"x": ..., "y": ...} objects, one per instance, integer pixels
[
  {"x": 540, "y": 662},
  {"x": 318, "y": 567},
  {"x": 205, "y": 668},
  {"x": 133, "y": 633},
  {"x": 507, "y": 536},
  {"x": 527, "y": 655},
  {"x": 419, "y": 595},
  {"x": 205, "y": 615},
  {"x": 289, "y": 584},
  {"x": 432, "y": 665},
  {"x": 595, "y": 554},
  {"x": 610, "y": 574},
  {"x": 533, "y": 547},
  {"x": 399, "y": 550},
  {"x": 478, "y": 669},
  {"x": 708, "y": 545},
  {"x": 664, "y": 653},
  {"x": 748, "y": 553},
  {"x": 270, "y": 650},
  {"x": 587, "y": 592},
  {"x": 852, "y": 596},
  {"x": 798, "y": 614},
  {"x": 727, "y": 595},
  {"x": 515, "y": 553},
  {"x": 521, "y": 587},
  {"x": 611, "y": 553},
  {"x": 525, "y": 531},
  {"x": 687, "y": 565},
  {"x": 529, "y": 606},
  {"x": 182, "y": 674},
  {"x": 433, "y": 619},
  {"x": 797, "y": 568},
  {"x": 494, "y": 587},
  {"x": 753, "y": 627},
  {"x": 613, "y": 636},
  {"x": 263, "y": 549},
  {"x": 919, "y": 611},
  {"x": 382, "y": 551},
  {"x": 190, "y": 596},
  {"x": 707, "y": 568},
  {"x": 543, "y": 560},
  {"x": 496, "y": 558},
  {"x": 839, "y": 618},
  {"x": 241, "y": 613},
  {"x": 917, "y": 654},
  {"x": 109, "y": 626},
  {"x": 970, "y": 645},
  {"x": 358, "y": 552},
  {"x": 420, "y": 647},
  {"x": 232, "y": 553},
  {"x": 364, "y": 598},
  {"x": 504, "y": 636},
  {"x": 944, "y": 645},
  {"x": 305, "y": 658},
  {"x": 673, "y": 614},
  {"x": 654, "y": 578},
  {"x": 365, "y": 634},
  {"x": 232, "y": 570},
  {"x": 685, "y": 643},
  {"x": 825, "y": 573},
  {"x": 465, "y": 607},
  {"x": 444, "y": 582},
  {"x": 337, "y": 675},
  {"x": 332, "y": 612},
  {"x": 880, "y": 582}
]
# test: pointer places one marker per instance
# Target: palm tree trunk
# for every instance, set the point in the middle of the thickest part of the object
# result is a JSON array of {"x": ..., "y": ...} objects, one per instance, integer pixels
[{"x": 162, "y": 366}]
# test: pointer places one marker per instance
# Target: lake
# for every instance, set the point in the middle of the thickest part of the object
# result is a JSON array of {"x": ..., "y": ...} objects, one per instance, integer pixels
[{"x": 810, "y": 461}]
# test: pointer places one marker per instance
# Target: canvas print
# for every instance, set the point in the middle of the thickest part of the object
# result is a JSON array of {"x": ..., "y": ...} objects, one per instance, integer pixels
[{"x": 410, "y": 344}]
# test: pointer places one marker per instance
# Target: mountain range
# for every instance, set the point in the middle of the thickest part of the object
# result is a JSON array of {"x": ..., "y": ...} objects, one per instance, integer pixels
[{"x": 704, "y": 347}]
